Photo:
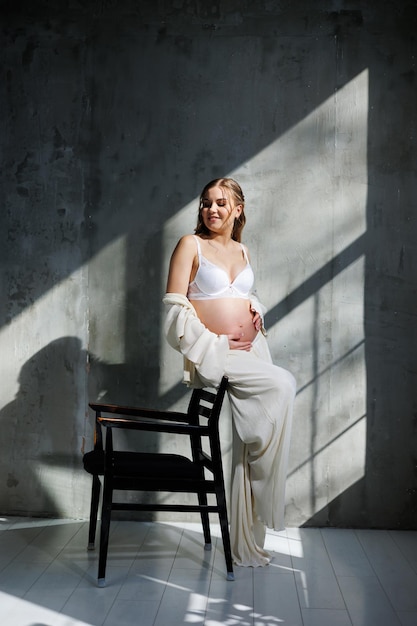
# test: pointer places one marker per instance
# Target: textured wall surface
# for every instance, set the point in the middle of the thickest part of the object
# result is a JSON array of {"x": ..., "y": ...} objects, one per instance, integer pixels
[{"x": 113, "y": 117}]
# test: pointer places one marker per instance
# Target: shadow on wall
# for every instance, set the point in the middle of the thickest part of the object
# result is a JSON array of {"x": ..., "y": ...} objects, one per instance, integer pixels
[
  {"x": 44, "y": 429},
  {"x": 41, "y": 429}
]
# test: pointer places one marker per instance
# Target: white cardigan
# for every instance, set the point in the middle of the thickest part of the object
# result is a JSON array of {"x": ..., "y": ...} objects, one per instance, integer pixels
[{"x": 204, "y": 352}]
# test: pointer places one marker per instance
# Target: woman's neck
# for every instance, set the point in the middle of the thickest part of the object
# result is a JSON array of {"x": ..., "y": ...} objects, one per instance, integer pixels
[{"x": 221, "y": 239}]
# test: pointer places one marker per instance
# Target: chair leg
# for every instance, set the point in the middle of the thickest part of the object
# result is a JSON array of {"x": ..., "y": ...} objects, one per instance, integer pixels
[
  {"x": 202, "y": 500},
  {"x": 104, "y": 534},
  {"x": 224, "y": 527},
  {"x": 95, "y": 497}
]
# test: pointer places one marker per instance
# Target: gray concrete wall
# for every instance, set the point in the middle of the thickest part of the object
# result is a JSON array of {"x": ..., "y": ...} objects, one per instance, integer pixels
[{"x": 113, "y": 116}]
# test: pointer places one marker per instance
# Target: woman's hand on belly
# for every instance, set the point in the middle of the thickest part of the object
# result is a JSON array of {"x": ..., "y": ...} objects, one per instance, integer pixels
[
  {"x": 237, "y": 343},
  {"x": 242, "y": 334},
  {"x": 256, "y": 319}
]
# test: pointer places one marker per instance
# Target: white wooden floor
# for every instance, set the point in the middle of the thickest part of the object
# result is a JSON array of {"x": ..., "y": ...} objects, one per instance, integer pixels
[{"x": 159, "y": 575}]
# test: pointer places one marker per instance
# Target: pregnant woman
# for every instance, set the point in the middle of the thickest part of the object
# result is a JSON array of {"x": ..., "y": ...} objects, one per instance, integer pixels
[{"x": 216, "y": 322}]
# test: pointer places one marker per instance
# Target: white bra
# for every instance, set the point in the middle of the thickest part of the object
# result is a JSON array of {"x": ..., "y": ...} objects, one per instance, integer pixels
[{"x": 212, "y": 281}]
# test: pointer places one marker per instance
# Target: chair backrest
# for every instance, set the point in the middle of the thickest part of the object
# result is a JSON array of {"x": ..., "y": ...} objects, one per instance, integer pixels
[
  {"x": 207, "y": 404},
  {"x": 204, "y": 411}
]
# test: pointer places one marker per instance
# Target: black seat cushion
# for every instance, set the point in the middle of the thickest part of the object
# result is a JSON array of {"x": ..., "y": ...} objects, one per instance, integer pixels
[{"x": 144, "y": 464}]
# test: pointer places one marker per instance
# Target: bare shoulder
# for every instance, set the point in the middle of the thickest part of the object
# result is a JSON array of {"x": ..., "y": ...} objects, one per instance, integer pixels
[
  {"x": 186, "y": 246},
  {"x": 180, "y": 267},
  {"x": 185, "y": 250},
  {"x": 187, "y": 241}
]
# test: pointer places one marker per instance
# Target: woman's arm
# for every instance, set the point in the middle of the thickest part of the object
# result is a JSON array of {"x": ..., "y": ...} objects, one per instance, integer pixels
[{"x": 181, "y": 265}]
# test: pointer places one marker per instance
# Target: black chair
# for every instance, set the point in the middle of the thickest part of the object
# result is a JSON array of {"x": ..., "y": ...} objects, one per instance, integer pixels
[{"x": 200, "y": 473}]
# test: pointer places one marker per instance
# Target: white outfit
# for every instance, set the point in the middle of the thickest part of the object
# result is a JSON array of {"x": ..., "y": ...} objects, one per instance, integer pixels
[{"x": 261, "y": 396}]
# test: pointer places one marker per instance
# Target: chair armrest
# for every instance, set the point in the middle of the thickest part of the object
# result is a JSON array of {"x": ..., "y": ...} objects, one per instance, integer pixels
[
  {"x": 159, "y": 425},
  {"x": 133, "y": 411}
]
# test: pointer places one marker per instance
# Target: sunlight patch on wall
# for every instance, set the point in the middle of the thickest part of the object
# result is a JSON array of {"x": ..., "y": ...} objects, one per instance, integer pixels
[
  {"x": 107, "y": 295},
  {"x": 310, "y": 192},
  {"x": 68, "y": 490},
  {"x": 181, "y": 223},
  {"x": 61, "y": 312},
  {"x": 306, "y": 197},
  {"x": 65, "y": 311}
]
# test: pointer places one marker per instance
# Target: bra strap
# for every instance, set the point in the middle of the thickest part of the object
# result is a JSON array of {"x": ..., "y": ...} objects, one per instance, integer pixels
[
  {"x": 198, "y": 246},
  {"x": 245, "y": 253}
]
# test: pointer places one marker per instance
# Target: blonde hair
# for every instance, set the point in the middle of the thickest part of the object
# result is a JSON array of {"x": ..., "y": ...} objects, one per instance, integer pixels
[{"x": 234, "y": 192}]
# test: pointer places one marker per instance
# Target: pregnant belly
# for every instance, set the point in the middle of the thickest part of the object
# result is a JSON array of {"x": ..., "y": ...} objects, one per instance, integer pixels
[{"x": 227, "y": 316}]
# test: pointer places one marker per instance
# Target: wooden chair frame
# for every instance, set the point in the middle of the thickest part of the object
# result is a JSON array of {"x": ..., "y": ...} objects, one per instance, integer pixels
[{"x": 159, "y": 472}]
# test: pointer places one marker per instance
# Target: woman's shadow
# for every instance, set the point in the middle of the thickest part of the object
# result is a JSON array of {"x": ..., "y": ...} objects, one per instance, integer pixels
[
  {"x": 46, "y": 429},
  {"x": 42, "y": 432}
]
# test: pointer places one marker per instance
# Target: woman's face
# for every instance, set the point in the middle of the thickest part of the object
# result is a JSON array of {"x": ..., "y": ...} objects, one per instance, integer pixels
[{"x": 218, "y": 210}]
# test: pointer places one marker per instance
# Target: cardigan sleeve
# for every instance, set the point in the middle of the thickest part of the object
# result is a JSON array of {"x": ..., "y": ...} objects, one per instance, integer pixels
[{"x": 204, "y": 352}]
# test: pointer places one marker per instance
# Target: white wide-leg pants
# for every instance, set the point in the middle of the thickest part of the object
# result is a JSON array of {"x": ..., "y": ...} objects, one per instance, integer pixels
[{"x": 261, "y": 396}]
